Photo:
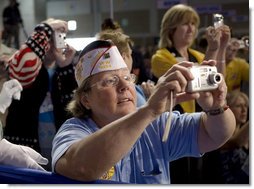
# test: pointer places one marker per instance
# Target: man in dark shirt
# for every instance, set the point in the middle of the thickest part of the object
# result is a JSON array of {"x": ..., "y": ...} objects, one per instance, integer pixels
[{"x": 11, "y": 21}]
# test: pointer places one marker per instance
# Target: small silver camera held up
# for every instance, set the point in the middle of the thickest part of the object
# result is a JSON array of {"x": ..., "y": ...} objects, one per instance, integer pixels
[
  {"x": 244, "y": 42},
  {"x": 218, "y": 20},
  {"x": 59, "y": 40},
  {"x": 206, "y": 78}
]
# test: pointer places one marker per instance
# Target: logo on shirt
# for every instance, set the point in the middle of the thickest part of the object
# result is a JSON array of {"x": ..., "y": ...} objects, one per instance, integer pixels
[{"x": 109, "y": 174}]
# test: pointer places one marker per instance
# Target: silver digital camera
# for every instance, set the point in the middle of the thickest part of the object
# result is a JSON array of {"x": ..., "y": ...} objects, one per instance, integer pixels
[
  {"x": 206, "y": 78},
  {"x": 59, "y": 40},
  {"x": 218, "y": 20},
  {"x": 244, "y": 42}
]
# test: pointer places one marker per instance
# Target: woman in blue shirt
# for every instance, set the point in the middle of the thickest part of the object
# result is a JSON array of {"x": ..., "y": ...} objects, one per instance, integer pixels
[{"x": 109, "y": 138}]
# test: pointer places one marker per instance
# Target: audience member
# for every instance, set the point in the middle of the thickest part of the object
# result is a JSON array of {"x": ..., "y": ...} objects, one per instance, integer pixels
[
  {"x": 230, "y": 163},
  {"x": 110, "y": 138},
  {"x": 5, "y": 54},
  {"x": 200, "y": 41},
  {"x": 244, "y": 48},
  {"x": 12, "y": 154},
  {"x": 52, "y": 111},
  {"x": 237, "y": 69},
  {"x": 147, "y": 54},
  {"x": 29, "y": 66},
  {"x": 110, "y": 24},
  {"x": 138, "y": 67},
  {"x": 122, "y": 43},
  {"x": 11, "y": 22},
  {"x": 178, "y": 30}
]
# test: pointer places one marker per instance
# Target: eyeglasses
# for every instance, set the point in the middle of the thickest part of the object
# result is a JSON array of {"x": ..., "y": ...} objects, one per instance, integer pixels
[{"x": 112, "y": 81}]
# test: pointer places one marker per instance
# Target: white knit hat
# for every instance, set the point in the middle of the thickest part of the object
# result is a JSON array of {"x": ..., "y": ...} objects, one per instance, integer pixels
[{"x": 98, "y": 56}]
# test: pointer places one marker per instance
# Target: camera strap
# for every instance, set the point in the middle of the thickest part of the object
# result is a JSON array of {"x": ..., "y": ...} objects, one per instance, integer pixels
[{"x": 168, "y": 123}]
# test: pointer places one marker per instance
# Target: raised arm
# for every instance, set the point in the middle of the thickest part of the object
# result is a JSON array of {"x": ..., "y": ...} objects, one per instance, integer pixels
[
  {"x": 218, "y": 123},
  {"x": 91, "y": 157},
  {"x": 217, "y": 43},
  {"x": 25, "y": 64}
]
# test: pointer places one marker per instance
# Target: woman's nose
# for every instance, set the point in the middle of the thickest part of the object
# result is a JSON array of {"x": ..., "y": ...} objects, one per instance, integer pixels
[{"x": 123, "y": 85}]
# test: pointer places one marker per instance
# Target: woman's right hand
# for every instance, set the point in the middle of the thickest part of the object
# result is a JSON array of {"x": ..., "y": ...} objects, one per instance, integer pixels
[
  {"x": 175, "y": 79},
  {"x": 65, "y": 58}
]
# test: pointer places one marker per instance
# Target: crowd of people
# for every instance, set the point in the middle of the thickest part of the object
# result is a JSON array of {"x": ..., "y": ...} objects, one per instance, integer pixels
[{"x": 101, "y": 113}]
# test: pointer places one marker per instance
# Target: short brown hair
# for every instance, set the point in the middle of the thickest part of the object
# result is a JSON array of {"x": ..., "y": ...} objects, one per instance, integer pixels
[{"x": 75, "y": 107}]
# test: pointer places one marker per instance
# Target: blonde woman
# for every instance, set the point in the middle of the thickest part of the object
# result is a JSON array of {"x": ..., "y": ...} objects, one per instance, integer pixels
[
  {"x": 235, "y": 153},
  {"x": 179, "y": 28},
  {"x": 230, "y": 163}
]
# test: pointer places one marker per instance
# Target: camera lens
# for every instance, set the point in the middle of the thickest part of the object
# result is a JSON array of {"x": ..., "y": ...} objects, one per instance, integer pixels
[{"x": 215, "y": 78}]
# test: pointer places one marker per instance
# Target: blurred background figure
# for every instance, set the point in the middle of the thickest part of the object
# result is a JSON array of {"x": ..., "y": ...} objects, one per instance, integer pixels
[
  {"x": 235, "y": 153},
  {"x": 179, "y": 28},
  {"x": 110, "y": 24},
  {"x": 12, "y": 21},
  {"x": 237, "y": 69},
  {"x": 5, "y": 54},
  {"x": 48, "y": 81},
  {"x": 178, "y": 31},
  {"x": 244, "y": 48},
  {"x": 230, "y": 163},
  {"x": 200, "y": 41}
]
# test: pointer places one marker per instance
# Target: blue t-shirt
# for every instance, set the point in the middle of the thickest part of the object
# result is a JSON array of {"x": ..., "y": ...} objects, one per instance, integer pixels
[
  {"x": 141, "y": 98},
  {"x": 148, "y": 160}
]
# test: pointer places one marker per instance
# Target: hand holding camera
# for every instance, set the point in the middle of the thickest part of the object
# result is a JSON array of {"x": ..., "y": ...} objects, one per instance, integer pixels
[
  {"x": 59, "y": 40},
  {"x": 60, "y": 28},
  {"x": 204, "y": 84},
  {"x": 175, "y": 81},
  {"x": 213, "y": 91},
  {"x": 187, "y": 81},
  {"x": 206, "y": 78}
]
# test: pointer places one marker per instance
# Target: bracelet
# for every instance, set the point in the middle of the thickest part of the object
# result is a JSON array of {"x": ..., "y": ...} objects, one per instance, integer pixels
[{"x": 217, "y": 111}]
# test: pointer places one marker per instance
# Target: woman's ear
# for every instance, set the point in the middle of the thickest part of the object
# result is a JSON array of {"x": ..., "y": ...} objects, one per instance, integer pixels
[{"x": 85, "y": 101}]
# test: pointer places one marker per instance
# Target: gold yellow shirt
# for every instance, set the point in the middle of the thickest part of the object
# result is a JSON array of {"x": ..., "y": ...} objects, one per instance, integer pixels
[{"x": 236, "y": 71}]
